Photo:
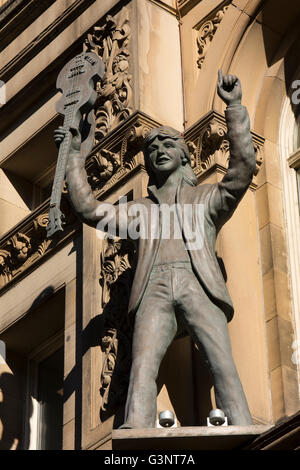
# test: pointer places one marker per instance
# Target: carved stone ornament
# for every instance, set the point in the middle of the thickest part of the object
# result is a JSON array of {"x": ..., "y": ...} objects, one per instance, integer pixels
[
  {"x": 116, "y": 279},
  {"x": 206, "y": 31},
  {"x": 14, "y": 257},
  {"x": 103, "y": 165},
  {"x": 107, "y": 166},
  {"x": 110, "y": 42},
  {"x": 22, "y": 248},
  {"x": 209, "y": 146}
]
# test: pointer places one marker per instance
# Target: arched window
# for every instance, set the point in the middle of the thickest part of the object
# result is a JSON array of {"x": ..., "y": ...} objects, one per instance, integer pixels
[{"x": 290, "y": 163}]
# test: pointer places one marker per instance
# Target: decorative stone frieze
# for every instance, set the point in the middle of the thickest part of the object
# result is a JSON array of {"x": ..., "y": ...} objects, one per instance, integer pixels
[
  {"x": 206, "y": 30},
  {"x": 209, "y": 146},
  {"x": 18, "y": 252},
  {"x": 104, "y": 164},
  {"x": 23, "y": 247},
  {"x": 110, "y": 42},
  {"x": 117, "y": 268}
]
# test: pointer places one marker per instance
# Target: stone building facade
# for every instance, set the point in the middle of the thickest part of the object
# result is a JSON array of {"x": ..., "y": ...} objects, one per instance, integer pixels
[{"x": 65, "y": 337}]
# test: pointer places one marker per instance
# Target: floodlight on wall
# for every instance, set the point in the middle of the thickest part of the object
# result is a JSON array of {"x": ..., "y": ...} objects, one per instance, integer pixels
[
  {"x": 217, "y": 418},
  {"x": 166, "y": 419}
]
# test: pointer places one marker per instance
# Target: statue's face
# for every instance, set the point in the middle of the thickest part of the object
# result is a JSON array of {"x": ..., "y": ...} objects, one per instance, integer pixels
[{"x": 164, "y": 154}]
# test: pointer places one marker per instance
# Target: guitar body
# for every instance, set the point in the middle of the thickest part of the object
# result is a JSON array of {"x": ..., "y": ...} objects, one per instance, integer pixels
[{"x": 77, "y": 81}]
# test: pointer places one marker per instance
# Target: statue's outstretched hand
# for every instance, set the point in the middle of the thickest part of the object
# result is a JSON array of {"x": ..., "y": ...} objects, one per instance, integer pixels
[
  {"x": 229, "y": 89},
  {"x": 60, "y": 134}
]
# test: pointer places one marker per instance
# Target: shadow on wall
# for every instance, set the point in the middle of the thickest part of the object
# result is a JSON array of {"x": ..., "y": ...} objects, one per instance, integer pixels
[
  {"x": 10, "y": 413},
  {"x": 112, "y": 333}
]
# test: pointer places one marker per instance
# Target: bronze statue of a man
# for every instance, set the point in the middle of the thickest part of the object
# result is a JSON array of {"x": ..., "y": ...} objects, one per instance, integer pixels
[{"x": 178, "y": 287}]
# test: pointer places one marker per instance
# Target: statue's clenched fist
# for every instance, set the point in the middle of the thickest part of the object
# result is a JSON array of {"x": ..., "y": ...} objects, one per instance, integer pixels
[
  {"x": 61, "y": 133},
  {"x": 229, "y": 89}
]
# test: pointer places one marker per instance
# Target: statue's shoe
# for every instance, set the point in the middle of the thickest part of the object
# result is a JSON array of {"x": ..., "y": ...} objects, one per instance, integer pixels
[{"x": 125, "y": 426}]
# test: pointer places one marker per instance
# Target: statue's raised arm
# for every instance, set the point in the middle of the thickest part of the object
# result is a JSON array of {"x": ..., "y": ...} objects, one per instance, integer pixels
[{"x": 242, "y": 157}]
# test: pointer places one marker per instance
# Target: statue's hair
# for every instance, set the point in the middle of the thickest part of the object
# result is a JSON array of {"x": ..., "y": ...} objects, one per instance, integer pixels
[{"x": 168, "y": 132}]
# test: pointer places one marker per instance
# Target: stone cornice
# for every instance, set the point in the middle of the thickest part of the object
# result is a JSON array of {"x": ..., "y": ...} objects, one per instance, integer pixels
[
  {"x": 25, "y": 246},
  {"x": 164, "y": 6},
  {"x": 284, "y": 435},
  {"x": 186, "y": 5},
  {"x": 9, "y": 7},
  {"x": 43, "y": 39},
  {"x": 17, "y": 15}
]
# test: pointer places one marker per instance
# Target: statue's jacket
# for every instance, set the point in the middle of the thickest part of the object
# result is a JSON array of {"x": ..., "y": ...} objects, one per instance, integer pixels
[{"x": 218, "y": 202}]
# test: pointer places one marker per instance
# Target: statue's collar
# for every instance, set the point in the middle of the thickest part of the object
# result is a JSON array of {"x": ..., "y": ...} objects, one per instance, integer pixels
[{"x": 153, "y": 191}]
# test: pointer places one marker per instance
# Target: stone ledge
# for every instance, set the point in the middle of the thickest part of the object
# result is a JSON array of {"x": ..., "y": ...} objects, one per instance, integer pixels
[{"x": 187, "y": 438}]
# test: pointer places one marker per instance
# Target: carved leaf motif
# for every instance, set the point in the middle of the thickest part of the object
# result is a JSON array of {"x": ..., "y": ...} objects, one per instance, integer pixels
[
  {"x": 115, "y": 93},
  {"x": 4, "y": 262},
  {"x": 258, "y": 157},
  {"x": 5, "y": 267},
  {"x": 20, "y": 247},
  {"x": 212, "y": 140},
  {"x": 22, "y": 250},
  {"x": 43, "y": 246},
  {"x": 104, "y": 165},
  {"x": 206, "y": 33},
  {"x": 211, "y": 146},
  {"x": 41, "y": 221},
  {"x": 193, "y": 153}
]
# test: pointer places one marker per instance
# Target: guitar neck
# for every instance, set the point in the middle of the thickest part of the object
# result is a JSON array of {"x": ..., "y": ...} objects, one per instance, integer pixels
[{"x": 60, "y": 171}]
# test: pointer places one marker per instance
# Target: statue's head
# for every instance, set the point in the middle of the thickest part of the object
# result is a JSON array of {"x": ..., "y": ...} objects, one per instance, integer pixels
[{"x": 165, "y": 151}]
